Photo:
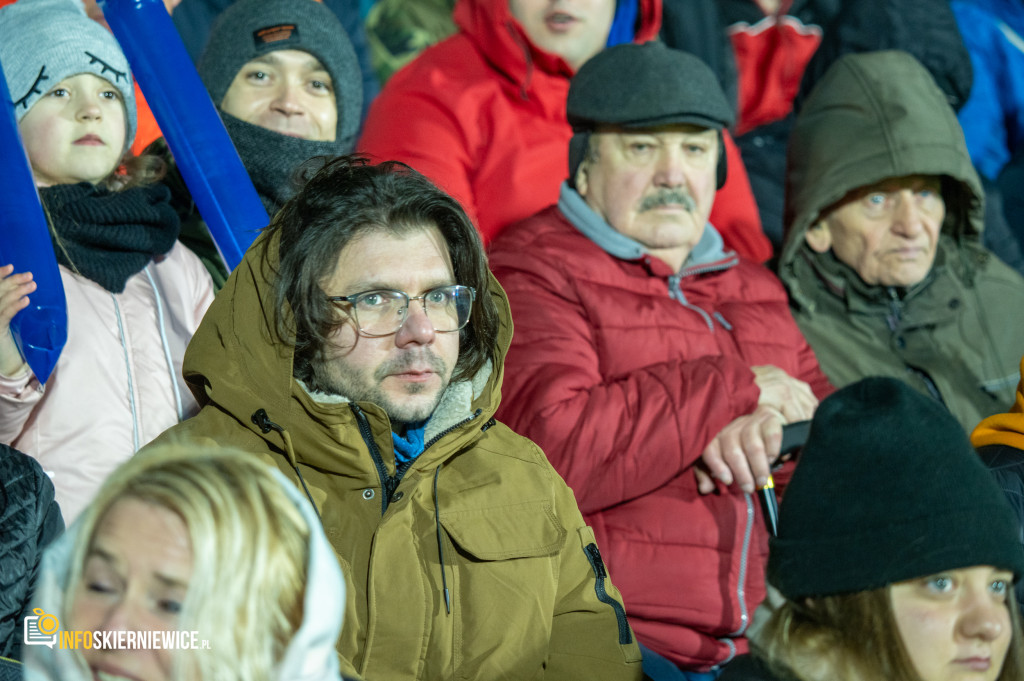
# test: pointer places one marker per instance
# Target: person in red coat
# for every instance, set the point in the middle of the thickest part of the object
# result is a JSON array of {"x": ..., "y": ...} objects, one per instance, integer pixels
[
  {"x": 482, "y": 113},
  {"x": 655, "y": 367}
]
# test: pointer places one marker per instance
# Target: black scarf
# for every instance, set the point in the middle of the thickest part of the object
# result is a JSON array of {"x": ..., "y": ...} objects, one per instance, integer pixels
[
  {"x": 109, "y": 236},
  {"x": 271, "y": 158}
]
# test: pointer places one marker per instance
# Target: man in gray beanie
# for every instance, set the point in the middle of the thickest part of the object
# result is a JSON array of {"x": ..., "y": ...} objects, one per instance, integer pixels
[
  {"x": 286, "y": 80},
  {"x": 645, "y": 352}
]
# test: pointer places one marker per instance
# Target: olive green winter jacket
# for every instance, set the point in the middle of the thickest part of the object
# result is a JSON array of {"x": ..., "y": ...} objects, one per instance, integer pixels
[
  {"x": 958, "y": 334},
  {"x": 474, "y": 563}
]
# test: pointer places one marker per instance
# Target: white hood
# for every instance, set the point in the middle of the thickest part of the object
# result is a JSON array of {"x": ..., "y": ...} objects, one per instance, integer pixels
[{"x": 310, "y": 656}]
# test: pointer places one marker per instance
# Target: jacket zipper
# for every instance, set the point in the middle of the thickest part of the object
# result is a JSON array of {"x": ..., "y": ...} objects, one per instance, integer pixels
[
  {"x": 741, "y": 591},
  {"x": 388, "y": 483},
  {"x": 597, "y": 564},
  {"x": 894, "y": 320},
  {"x": 675, "y": 291},
  {"x": 451, "y": 428}
]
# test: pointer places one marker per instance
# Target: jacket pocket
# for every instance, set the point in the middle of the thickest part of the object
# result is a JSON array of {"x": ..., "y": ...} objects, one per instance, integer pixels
[
  {"x": 504, "y": 560},
  {"x": 501, "y": 533}
]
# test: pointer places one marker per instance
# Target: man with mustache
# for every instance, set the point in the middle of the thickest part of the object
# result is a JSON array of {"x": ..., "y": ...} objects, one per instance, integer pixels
[
  {"x": 359, "y": 347},
  {"x": 647, "y": 356}
]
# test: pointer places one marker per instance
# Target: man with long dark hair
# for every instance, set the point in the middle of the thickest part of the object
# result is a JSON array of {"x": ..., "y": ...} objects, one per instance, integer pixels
[{"x": 359, "y": 347}]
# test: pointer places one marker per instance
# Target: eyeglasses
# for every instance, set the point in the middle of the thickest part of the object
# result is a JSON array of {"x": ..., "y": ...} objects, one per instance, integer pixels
[{"x": 383, "y": 312}]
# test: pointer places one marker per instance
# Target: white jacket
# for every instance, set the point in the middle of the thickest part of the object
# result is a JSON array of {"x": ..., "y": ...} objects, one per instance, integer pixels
[{"x": 117, "y": 384}]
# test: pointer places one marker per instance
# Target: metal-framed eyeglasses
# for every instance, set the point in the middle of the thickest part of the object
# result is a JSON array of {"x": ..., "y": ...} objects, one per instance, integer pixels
[{"x": 382, "y": 312}]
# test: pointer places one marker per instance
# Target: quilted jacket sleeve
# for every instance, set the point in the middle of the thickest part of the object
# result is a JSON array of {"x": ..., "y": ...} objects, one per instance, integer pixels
[
  {"x": 611, "y": 439},
  {"x": 29, "y": 520}
]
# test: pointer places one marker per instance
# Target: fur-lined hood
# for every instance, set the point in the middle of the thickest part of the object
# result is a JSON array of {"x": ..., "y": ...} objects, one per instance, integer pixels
[{"x": 238, "y": 362}]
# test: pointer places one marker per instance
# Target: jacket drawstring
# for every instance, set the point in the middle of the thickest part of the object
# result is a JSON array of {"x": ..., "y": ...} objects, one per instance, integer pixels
[
  {"x": 440, "y": 546},
  {"x": 263, "y": 422}
]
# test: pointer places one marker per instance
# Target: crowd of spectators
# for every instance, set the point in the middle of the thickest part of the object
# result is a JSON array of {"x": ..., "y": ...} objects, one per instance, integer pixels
[{"x": 505, "y": 386}]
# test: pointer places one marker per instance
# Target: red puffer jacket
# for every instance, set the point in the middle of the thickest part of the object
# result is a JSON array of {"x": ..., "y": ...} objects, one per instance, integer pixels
[
  {"x": 623, "y": 386},
  {"x": 483, "y": 115}
]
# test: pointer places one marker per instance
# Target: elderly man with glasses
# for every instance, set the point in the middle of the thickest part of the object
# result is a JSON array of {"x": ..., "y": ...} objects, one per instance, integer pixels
[{"x": 359, "y": 347}]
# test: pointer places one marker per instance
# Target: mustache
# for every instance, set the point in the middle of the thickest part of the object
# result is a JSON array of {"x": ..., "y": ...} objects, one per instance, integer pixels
[
  {"x": 407, "y": 361},
  {"x": 669, "y": 197}
]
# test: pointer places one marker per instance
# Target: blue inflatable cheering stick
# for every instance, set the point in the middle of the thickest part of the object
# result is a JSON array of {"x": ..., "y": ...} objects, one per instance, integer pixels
[
  {"x": 208, "y": 162},
  {"x": 41, "y": 329}
]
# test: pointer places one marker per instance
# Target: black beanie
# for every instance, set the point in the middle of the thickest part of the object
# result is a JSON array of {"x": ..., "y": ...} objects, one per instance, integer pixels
[
  {"x": 250, "y": 28},
  {"x": 642, "y": 86},
  {"x": 887, "y": 488}
]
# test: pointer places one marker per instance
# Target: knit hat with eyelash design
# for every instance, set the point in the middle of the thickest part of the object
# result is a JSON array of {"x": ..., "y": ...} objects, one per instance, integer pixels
[{"x": 43, "y": 42}]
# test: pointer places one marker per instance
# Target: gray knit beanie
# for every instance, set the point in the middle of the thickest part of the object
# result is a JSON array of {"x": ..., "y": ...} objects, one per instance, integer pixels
[
  {"x": 887, "y": 488},
  {"x": 43, "y": 42},
  {"x": 250, "y": 28}
]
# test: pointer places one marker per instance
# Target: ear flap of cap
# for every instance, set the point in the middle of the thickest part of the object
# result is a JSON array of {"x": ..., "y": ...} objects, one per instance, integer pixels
[
  {"x": 722, "y": 170},
  {"x": 578, "y": 144}
]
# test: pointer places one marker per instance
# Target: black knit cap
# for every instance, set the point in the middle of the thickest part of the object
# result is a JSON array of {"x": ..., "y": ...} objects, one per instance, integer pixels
[
  {"x": 886, "y": 489},
  {"x": 642, "y": 86}
]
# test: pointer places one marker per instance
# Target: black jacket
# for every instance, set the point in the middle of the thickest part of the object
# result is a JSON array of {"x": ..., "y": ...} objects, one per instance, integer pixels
[
  {"x": 29, "y": 520},
  {"x": 750, "y": 668}
]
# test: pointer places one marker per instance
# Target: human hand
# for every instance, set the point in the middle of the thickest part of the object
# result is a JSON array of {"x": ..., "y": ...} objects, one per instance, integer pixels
[
  {"x": 743, "y": 452},
  {"x": 790, "y": 396},
  {"x": 14, "y": 290}
]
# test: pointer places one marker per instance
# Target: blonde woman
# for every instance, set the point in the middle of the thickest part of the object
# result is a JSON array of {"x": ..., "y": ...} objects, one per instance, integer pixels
[
  {"x": 896, "y": 554},
  {"x": 194, "y": 540}
]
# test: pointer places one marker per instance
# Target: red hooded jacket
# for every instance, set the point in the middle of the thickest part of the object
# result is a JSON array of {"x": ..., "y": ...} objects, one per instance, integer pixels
[{"x": 483, "y": 115}]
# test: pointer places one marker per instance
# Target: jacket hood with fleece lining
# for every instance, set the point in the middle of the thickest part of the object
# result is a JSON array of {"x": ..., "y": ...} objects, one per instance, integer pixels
[{"x": 237, "y": 361}]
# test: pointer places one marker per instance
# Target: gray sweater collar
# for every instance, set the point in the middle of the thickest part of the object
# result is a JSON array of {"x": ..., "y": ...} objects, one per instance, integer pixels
[{"x": 710, "y": 248}]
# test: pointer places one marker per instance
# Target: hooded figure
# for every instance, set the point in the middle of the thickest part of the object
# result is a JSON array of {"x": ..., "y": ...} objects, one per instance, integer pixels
[
  {"x": 259, "y": 594},
  {"x": 467, "y": 554},
  {"x": 953, "y": 328}
]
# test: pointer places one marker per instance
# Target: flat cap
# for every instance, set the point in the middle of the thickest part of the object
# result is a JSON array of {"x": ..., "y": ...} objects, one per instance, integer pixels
[{"x": 646, "y": 85}]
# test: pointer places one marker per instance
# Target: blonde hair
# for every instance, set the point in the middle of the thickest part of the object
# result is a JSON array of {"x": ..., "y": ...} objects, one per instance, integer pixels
[
  {"x": 853, "y": 637},
  {"x": 250, "y": 553}
]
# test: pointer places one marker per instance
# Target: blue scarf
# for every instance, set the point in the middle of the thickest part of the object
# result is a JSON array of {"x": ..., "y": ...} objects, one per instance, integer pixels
[{"x": 409, "y": 446}]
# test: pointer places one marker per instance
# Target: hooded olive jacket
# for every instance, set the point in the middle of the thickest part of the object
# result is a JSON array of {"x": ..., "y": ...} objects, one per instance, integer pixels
[
  {"x": 958, "y": 335},
  {"x": 479, "y": 524}
]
